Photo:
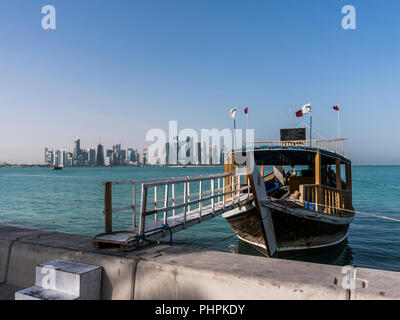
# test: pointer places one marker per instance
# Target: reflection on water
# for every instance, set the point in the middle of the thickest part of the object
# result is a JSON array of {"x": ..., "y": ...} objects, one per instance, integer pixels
[{"x": 340, "y": 255}]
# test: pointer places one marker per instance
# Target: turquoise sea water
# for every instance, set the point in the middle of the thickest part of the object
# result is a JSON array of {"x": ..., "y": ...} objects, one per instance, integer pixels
[{"x": 71, "y": 200}]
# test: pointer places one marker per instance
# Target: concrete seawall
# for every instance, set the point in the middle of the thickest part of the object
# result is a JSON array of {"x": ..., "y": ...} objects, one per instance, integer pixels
[{"x": 173, "y": 272}]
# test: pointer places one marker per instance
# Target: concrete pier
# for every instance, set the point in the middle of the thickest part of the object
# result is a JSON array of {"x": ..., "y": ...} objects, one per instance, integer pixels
[{"x": 173, "y": 272}]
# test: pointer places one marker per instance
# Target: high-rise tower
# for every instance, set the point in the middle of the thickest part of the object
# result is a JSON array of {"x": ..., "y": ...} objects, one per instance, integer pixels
[
  {"x": 77, "y": 149},
  {"x": 100, "y": 155}
]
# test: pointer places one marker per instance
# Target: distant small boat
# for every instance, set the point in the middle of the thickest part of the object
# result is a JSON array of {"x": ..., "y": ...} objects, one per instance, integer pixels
[{"x": 56, "y": 167}]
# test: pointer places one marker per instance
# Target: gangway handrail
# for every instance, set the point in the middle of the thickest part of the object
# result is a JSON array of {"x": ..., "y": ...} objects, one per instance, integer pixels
[{"x": 217, "y": 194}]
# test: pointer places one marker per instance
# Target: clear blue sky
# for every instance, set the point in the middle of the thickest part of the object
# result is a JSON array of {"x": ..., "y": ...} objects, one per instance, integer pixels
[{"x": 115, "y": 69}]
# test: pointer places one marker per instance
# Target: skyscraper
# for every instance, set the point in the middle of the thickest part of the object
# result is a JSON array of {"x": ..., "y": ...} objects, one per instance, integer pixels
[
  {"x": 122, "y": 155},
  {"x": 92, "y": 156},
  {"x": 198, "y": 153},
  {"x": 100, "y": 155},
  {"x": 84, "y": 157},
  {"x": 69, "y": 159},
  {"x": 116, "y": 155},
  {"x": 49, "y": 156},
  {"x": 77, "y": 150},
  {"x": 64, "y": 158},
  {"x": 145, "y": 156},
  {"x": 132, "y": 155},
  {"x": 45, "y": 154},
  {"x": 57, "y": 158},
  {"x": 167, "y": 153}
]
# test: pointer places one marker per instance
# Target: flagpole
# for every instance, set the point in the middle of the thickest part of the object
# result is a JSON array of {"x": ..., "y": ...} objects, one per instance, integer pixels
[
  {"x": 310, "y": 130},
  {"x": 338, "y": 123},
  {"x": 234, "y": 132}
]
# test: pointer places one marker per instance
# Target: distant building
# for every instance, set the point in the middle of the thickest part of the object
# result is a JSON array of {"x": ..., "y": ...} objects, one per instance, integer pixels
[
  {"x": 122, "y": 155},
  {"x": 173, "y": 154},
  {"x": 77, "y": 149},
  {"x": 116, "y": 155},
  {"x": 64, "y": 158},
  {"x": 45, "y": 154},
  {"x": 145, "y": 156},
  {"x": 164, "y": 158},
  {"x": 187, "y": 153},
  {"x": 204, "y": 153},
  {"x": 131, "y": 155},
  {"x": 69, "y": 159},
  {"x": 215, "y": 157},
  {"x": 198, "y": 153},
  {"x": 84, "y": 157},
  {"x": 57, "y": 158},
  {"x": 49, "y": 156},
  {"x": 222, "y": 155},
  {"x": 100, "y": 155},
  {"x": 138, "y": 158},
  {"x": 92, "y": 156},
  {"x": 109, "y": 157}
]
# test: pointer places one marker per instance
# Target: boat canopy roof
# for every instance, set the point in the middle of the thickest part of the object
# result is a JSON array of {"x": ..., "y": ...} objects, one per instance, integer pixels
[{"x": 298, "y": 153}]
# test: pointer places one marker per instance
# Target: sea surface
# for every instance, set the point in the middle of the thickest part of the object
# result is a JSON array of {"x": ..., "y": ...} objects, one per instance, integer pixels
[{"x": 71, "y": 200}]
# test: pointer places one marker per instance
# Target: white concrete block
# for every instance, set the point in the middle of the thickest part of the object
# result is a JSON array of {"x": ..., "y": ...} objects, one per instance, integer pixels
[
  {"x": 70, "y": 277},
  {"x": 118, "y": 274},
  {"x": 38, "y": 293},
  {"x": 372, "y": 284}
]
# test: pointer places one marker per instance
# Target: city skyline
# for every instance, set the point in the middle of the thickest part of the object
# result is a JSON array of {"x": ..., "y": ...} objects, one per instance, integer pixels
[
  {"x": 120, "y": 69},
  {"x": 90, "y": 156},
  {"x": 171, "y": 154}
]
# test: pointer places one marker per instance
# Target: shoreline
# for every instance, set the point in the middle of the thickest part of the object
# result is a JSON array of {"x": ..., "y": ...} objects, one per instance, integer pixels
[{"x": 27, "y": 166}]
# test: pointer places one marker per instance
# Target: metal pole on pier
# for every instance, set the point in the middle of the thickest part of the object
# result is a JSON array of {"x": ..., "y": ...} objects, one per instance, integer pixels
[
  {"x": 310, "y": 130},
  {"x": 338, "y": 119},
  {"x": 233, "y": 116}
]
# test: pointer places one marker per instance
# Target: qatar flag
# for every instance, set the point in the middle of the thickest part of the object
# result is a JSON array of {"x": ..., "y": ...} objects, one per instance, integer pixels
[
  {"x": 233, "y": 113},
  {"x": 306, "y": 108},
  {"x": 336, "y": 108},
  {"x": 299, "y": 113}
]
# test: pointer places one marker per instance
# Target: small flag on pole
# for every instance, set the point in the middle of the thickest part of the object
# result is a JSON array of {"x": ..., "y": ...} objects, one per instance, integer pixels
[
  {"x": 246, "y": 110},
  {"x": 336, "y": 108},
  {"x": 233, "y": 113},
  {"x": 306, "y": 108}
]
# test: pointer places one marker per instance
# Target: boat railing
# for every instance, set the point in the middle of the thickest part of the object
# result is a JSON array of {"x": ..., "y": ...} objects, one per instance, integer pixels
[
  {"x": 214, "y": 191},
  {"x": 331, "y": 145},
  {"x": 324, "y": 198}
]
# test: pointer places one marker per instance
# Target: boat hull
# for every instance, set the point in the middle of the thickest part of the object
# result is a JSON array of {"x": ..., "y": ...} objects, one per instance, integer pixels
[{"x": 296, "y": 233}]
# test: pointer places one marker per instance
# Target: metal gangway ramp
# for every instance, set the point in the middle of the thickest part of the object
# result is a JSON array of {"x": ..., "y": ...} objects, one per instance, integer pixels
[{"x": 176, "y": 211}]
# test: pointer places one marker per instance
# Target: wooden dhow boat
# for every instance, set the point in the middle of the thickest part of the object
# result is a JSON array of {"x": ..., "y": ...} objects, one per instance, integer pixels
[{"x": 302, "y": 204}]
